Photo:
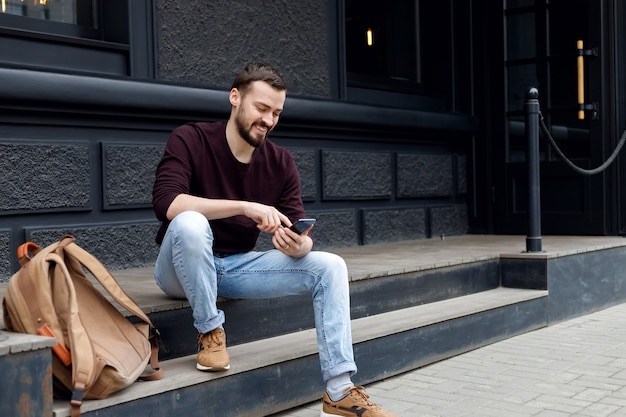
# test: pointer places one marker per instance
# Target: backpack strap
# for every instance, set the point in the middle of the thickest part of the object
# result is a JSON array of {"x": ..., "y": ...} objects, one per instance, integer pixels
[
  {"x": 83, "y": 361},
  {"x": 81, "y": 352},
  {"x": 104, "y": 277},
  {"x": 25, "y": 250}
]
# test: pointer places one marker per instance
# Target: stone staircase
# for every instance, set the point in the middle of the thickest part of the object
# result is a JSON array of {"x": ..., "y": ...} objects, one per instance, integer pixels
[{"x": 413, "y": 303}]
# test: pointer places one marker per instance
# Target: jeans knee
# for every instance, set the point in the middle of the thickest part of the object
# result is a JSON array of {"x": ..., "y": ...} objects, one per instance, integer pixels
[
  {"x": 192, "y": 229},
  {"x": 333, "y": 267},
  {"x": 337, "y": 263}
]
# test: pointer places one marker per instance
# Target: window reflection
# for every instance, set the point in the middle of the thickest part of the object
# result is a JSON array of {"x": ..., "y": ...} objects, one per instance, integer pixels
[
  {"x": 63, "y": 11},
  {"x": 520, "y": 79},
  {"x": 521, "y": 36},
  {"x": 382, "y": 43}
]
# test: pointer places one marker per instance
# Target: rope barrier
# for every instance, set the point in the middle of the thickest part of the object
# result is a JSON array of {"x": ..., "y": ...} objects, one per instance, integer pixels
[{"x": 576, "y": 168}]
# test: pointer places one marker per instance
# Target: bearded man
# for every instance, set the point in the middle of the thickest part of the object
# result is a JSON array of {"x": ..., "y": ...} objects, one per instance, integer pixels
[{"x": 217, "y": 187}]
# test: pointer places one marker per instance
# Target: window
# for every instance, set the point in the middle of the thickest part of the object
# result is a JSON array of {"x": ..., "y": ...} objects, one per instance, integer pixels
[
  {"x": 541, "y": 52},
  {"x": 78, "y": 36},
  {"x": 382, "y": 47},
  {"x": 77, "y": 18},
  {"x": 75, "y": 12}
]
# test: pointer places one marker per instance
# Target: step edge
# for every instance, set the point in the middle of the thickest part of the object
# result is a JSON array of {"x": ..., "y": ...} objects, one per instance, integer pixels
[
  {"x": 181, "y": 372},
  {"x": 431, "y": 313}
]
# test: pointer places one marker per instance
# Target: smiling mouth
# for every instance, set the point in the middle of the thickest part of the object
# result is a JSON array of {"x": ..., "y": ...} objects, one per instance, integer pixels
[{"x": 262, "y": 128}]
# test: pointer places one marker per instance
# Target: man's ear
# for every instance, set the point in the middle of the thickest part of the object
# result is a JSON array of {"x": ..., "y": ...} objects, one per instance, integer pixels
[{"x": 234, "y": 97}]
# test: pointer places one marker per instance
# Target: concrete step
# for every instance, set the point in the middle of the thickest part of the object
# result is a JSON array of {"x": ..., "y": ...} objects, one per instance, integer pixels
[
  {"x": 365, "y": 263},
  {"x": 413, "y": 303},
  {"x": 382, "y": 277},
  {"x": 278, "y": 373},
  {"x": 250, "y": 320}
]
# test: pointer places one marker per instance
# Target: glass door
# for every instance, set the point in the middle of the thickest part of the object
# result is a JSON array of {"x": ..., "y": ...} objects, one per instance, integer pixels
[{"x": 542, "y": 48}]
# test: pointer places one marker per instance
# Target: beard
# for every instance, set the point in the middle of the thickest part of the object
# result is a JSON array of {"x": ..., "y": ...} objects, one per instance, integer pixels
[{"x": 254, "y": 140}]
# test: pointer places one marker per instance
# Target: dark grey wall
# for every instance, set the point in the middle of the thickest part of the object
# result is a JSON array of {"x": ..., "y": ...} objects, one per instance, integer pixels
[
  {"x": 78, "y": 152},
  {"x": 81, "y": 160},
  {"x": 204, "y": 43}
]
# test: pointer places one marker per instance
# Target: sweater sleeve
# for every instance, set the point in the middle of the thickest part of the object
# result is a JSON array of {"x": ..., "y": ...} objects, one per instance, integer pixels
[{"x": 173, "y": 174}]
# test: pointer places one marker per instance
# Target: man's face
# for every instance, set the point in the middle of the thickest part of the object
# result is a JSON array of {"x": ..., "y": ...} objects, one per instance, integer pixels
[{"x": 257, "y": 111}]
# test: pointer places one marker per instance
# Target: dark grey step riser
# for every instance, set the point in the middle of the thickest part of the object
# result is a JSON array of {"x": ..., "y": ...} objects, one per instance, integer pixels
[
  {"x": 578, "y": 284},
  {"x": 249, "y": 320},
  {"x": 380, "y": 295},
  {"x": 27, "y": 384},
  {"x": 275, "y": 388}
]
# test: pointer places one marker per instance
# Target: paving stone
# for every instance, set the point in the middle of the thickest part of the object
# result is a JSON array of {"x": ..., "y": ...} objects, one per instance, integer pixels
[{"x": 577, "y": 367}]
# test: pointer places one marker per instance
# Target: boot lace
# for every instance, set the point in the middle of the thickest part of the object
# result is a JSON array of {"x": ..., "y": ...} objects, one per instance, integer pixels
[{"x": 359, "y": 393}]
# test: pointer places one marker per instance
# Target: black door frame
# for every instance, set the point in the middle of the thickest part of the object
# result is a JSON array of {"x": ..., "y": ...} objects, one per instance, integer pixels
[{"x": 600, "y": 213}]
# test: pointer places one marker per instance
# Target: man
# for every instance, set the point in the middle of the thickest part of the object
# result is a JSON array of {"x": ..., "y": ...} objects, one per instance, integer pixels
[{"x": 217, "y": 186}]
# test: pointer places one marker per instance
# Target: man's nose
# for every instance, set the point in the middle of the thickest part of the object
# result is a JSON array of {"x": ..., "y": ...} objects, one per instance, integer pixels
[{"x": 268, "y": 120}]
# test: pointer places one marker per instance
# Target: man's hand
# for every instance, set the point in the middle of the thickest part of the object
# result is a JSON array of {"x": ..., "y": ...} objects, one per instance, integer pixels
[
  {"x": 290, "y": 243},
  {"x": 267, "y": 218}
]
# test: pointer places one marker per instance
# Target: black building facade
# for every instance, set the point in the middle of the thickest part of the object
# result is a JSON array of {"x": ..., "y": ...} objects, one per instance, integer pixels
[{"x": 404, "y": 117}]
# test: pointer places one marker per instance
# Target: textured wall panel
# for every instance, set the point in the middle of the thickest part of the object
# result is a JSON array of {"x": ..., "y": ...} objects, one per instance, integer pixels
[
  {"x": 461, "y": 164},
  {"x": 335, "y": 229},
  {"x": 307, "y": 167},
  {"x": 424, "y": 175},
  {"x": 393, "y": 225},
  {"x": 44, "y": 176},
  {"x": 451, "y": 220},
  {"x": 129, "y": 174},
  {"x": 204, "y": 43},
  {"x": 5, "y": 256},
  {"x": 116, "y": 246},
  {"x": 356, "y": 175}
]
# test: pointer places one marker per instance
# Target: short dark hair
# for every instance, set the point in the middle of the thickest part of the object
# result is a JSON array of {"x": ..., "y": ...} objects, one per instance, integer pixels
[{"x": 257, "y": 71}]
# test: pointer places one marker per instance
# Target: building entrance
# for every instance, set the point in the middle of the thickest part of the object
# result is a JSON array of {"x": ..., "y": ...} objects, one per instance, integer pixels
[{"x": 566, "y": 49}]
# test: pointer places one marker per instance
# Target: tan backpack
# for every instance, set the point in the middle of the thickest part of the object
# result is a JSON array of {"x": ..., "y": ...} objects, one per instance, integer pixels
[{"x": 99, "y": 351}]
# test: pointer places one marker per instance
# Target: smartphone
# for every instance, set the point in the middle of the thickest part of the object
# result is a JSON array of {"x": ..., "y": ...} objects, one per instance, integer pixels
[{"x": 301, "y": 225}]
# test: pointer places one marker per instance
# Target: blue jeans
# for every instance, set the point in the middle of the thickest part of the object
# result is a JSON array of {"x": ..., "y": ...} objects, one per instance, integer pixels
[{"x": 187, "y": 268}]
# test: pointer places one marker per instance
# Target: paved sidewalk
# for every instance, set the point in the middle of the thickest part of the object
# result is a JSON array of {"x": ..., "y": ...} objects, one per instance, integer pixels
[{"x": 574, "y": 368}]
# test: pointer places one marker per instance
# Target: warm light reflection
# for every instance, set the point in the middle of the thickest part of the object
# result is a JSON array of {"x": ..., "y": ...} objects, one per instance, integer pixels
[
  {"x": 62, "y": 11},
  {"x": 43, "y": 3},
  {"x": 370, "y": 37}
]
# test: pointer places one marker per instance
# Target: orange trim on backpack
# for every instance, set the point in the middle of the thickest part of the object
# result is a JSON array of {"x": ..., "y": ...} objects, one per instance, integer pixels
[
  {"x": 24, "y": 251},
  {"x": 59, "y": 349}
]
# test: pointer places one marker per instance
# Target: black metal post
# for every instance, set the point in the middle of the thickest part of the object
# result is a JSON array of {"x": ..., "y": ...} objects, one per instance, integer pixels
[{"x": 531, "y": 109}]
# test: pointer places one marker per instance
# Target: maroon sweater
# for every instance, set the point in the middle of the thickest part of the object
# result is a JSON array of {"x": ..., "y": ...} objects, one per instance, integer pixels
[{"x": 198, "y": 161}]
